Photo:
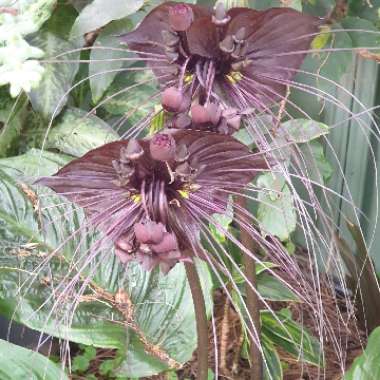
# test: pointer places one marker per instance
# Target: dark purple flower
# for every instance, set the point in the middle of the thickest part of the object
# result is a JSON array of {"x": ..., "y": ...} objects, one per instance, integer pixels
[
  {"x": 141, "y": 193},
  {"x": 223, "y": 61}
]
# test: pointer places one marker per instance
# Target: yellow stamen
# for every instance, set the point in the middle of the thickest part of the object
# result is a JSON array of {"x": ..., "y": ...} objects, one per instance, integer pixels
[
  {"x": 188, "y": 78},
  {"x": 234, "y": 77},
  {"x": 136, "y": 198},
  {"x": 184, "y": 193}
]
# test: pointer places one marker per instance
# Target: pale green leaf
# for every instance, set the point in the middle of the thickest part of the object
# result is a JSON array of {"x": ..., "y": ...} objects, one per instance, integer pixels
[
  {"x": 276, "y": 212},
  {"x": 18, "y": 363},
  {"x": 366, "y": 366},
  {"x": 79, "y": 132},
  {"x": 51, "y": 95},
  {"x": 101, "y": 12}
]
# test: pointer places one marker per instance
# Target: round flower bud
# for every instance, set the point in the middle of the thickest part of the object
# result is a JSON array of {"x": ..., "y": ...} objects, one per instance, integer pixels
[
  {"x": 162, "y": 147},
  {"x": 172, "y": 99},
  {"x": 182, "y": 121},
  {"x": 199, "y": 114},
  {"x": 181, "y": 17}
]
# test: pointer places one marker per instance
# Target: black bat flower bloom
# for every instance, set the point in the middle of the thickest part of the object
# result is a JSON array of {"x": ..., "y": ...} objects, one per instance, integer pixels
[
  {"x": 144, "y": 194},
  {"x": 222, "y": 62}
]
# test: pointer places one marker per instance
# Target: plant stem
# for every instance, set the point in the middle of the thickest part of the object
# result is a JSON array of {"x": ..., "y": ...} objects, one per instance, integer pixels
[
  {"x": 201, "y": 320},
  {"x": 253, "y": 305}
]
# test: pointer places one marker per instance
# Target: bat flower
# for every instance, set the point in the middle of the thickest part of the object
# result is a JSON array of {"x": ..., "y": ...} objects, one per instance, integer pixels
[
  {"x": 148, "y": 196},
  {"x": 222, "y": 63}
]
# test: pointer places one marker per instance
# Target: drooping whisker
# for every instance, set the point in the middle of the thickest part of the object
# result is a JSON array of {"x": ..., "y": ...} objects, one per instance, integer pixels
[
  {"x": 108, "y": 48},
  {"x": 62, "y": 99},
  {"x": 120, "y": 59},
  {"x": 124, "y": 90},
  {"x": 243, "y": 219}
]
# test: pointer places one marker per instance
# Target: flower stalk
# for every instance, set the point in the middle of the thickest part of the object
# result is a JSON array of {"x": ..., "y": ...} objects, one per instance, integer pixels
[
  {"x": 252, "y": 302},
  {"x": 201, "y": 319}
]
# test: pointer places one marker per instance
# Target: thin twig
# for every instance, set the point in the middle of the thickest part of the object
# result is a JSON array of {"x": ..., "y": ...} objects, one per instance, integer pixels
[{"x": 201, "y": 320}]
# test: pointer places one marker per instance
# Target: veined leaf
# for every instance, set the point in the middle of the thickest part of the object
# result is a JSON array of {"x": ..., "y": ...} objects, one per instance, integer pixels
[
  {"x": 366, "y": 366},
  {"x": 52, "y": 92},
  {"x": 276, "y": 212},
  {"x": 78, "y": 133},
  {"x": 291, "y": 336},
  {"x": 20, "y": 363}
]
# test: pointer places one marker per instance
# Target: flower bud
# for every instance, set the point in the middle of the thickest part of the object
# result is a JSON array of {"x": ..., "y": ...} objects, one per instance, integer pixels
[
  {"x": 182, "y": 121},
  {"x": 181, "y": 17},
  {"x": 199, "y": 114},
  {"x": 162, "y": 147},
  {"x": 171, "y": 99}
]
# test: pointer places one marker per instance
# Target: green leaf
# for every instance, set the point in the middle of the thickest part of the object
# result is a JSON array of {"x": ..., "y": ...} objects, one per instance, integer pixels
[
  {"x": 316, "y": 165},
  {"x": 34, "y": 163},
  {"x": 108, "y": 56},
  {"x": 51, "y": 94},
  {"x": 366, "y": 34},
  {"x": 272, "y": 367},
  {"x": 134, "y": 91},
  {"x": 368, "y": 10},
  {"x": 101, "y": 12},
  {"x": 221, "y": 222},
  {"x": 80, "y": 364},
  {"x": 165, "y": 313},
  {"x": 89, "y": 352},
  {"x": 291, "y": 336},
  {"x": 303, "y": 130},
  {"x": 273, "y": 289},
  {"x": 366, "y": 366},
  {"x": 20, "y": 363},
  {"x": 276, "y": 212},
  {"x": 12, "y": 113},
  {"x": 79, "y": 132}
]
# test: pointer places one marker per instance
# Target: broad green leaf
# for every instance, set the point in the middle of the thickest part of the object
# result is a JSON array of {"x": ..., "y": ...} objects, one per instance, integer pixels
[
  {"x": 221, "y": 223},
  {"x": 366, "y": 366},
  {"x": 273, "y": 289},
  {"x": 368, "y": 10},
  {"x": 52, "y": 92},
  {"x": 332, "y": 65},
  {"x": 272, "y": 365},
  {"x": 18, "y": 363},
  {"x": 291, "y": 336},
  {"x": 315, "y": 162},
  {"x": 130, "y": 95},
  {"x": 363, "y": 33},
  {"x": 12, "y": 114},
  {"x": 107, "y": 57},
  {"x": 78, "y": 132},
  {"x": 62, "y": 20},
  {"x": 276, "y": 212},
  {"x": 303, "y": 130},
  {"x": 165, "y": 313},
  {"x": 34, "y": 163},
  {"x": 101, "y": 12},
  {"x": 319, "y": 7}
]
